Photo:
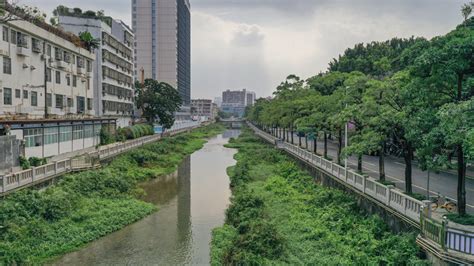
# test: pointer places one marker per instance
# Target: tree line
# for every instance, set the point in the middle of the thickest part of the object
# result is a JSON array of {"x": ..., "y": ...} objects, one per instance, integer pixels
[{"x": 411, "y": 98}]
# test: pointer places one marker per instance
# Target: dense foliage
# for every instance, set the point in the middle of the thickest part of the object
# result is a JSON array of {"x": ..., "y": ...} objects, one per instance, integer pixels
[
  {"x": 278, "y": 215},
  {"x": 158, "y": 102},
  {"x": 36, "y": 226},
  {"x": 135, "y": 132},
  {"x": 411, "y": 98}
]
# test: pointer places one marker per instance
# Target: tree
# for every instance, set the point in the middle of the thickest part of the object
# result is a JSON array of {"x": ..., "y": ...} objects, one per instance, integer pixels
[
  {"x": 12, "y": 12},
  {"x": 89, "y": 41},
  {"x": 466, "y": 11},
  {"x": 158, "y": 102}
]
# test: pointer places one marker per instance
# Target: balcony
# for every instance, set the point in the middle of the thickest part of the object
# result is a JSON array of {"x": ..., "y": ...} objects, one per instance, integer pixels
[{"x": 23, "y": 51}]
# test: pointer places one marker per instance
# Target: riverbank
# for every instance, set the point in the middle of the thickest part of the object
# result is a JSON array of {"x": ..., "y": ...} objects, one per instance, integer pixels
[
  {"x": 36, "y": 227},
  {"x": 278, "y": 215}
]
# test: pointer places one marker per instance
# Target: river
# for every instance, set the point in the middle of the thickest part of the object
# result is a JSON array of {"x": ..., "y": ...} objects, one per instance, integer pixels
[{"x": 192, "y": 201}]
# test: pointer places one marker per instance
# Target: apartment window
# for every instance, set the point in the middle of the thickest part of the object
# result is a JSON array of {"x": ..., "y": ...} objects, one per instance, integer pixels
[
  {"x": 5, "y": 34},
  {"x": 65, "y": 133},
  {"x": 89, "y": 66},
  {"x": 70, "y": 102},
  {"x": 7, "y": 96},
  {"x": 67, "y": 57},
  {"x": 74, "y": 81},
  {"x": 22, "y": 40},
  {"x": 7, "y": 65},
  {"x": 25, "y": 94},
  {"x": 34, "y": 98},
  {"x": 58, "y": 77},
  {"x": 50, "y": 135},
  {"x": 13, "y": 36},
  {"x": 49, "y": 100},
  {"x": 36, "y": 45},
  {"x": 59, "y": 101},
  {"x": 33, "y": 137},
  {"x": 48, "y": 74},
  {"x": 48, "y": 50},
  {"x": 17, "y": 93},
  {"x": 57, "y": 54},
  {"x": 68, "y": 80},
  {"x": 80, "y": 104},
  {"x": 89, "y": 104}
]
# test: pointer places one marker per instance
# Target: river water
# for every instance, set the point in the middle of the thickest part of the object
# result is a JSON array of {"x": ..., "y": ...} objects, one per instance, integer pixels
[{"x": 192, "y": 201}]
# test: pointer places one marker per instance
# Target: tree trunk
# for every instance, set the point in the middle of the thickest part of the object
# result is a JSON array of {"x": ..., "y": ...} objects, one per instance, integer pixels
[
  {"x": 359, "y": 163},
  {"x": 299, "y": 140},
  {"x": 325, "y": 144},
  {"x": 408, "y": 168},
  {"x": 382, "y": 162},
  {"x": 461, "y": 181},
  {"x": 339, "y": 148}
]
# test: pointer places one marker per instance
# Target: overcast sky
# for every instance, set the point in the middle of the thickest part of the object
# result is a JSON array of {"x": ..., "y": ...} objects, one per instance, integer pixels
[{"x": 255, "y": 44}]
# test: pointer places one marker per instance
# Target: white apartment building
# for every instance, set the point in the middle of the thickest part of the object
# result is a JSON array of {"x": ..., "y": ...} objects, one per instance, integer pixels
[
  {"x": 46, "y": 94},
  {"x": 113, "y": 67}
]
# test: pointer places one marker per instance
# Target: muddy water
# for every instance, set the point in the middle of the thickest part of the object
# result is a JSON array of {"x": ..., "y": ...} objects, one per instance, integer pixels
[{"x": 191, "y": 201}]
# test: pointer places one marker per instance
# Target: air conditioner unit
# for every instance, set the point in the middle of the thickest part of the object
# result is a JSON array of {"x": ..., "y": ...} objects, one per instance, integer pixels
[{"x": 23, "y": 51}]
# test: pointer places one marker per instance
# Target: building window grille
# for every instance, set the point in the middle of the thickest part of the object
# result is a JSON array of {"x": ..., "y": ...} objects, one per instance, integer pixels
[
  {"x": 48, "y": 74},
  {"x": 49, "y": 100},
  {"x": 58, "y": 77},
  {"x": 34, "y": 98},
  {"x": 5, "y": 34},
  {"x": 7, "y": 65},
  {"x": 7, "y": 96},
  {"x": 25, "y": 94},
  {"x": 59, "y": 101},
  {"x": 18, "y": 94},
  {"x": 33, "y": 137},
  {"x": 65, "y": 133}
]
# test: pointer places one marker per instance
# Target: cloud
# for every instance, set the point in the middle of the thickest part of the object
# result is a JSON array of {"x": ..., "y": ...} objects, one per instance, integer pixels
[
  {"x": 255, "y": 44},
  {"x": 247, "y": 35}
]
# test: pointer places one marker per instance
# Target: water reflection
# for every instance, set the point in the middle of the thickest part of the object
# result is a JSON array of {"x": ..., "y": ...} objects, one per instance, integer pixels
[{"x": 192, "y": 202}]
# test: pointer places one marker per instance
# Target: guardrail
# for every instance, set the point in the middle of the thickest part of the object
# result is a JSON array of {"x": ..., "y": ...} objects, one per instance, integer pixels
[
  {"x": 35, "y": 175},
  {"x": 447, "y": 236}
]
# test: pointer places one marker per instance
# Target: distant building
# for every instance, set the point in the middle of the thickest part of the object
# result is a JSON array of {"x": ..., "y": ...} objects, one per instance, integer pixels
[
  {"x": 218, "y": 101},
  {"x": 113, "y": 67},
  {"x": 163, "y": 43},
  {"x": 201, "y": 107},
  {"x": 235, "y": 102}
]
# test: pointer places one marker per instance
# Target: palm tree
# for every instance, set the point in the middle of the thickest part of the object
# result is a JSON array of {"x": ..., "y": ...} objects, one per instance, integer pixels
[
  {"x": 90, "y": 42},
  {"x": 466, "y": 10}
]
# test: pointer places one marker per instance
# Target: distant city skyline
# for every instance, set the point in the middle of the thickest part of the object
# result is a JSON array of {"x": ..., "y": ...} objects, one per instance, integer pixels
[{"x": 256, "y": 44}]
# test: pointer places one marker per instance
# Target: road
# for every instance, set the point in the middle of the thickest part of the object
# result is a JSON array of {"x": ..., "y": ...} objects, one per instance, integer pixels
[{"x": 444, "y": 183}]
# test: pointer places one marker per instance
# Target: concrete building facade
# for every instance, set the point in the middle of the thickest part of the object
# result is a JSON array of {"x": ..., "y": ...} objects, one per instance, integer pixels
[
  {"x": 163, "y": 43},
  {"x": 46, "y": 94},
  {"x": 113, "y": 68},
  {"x": 203, "y": 108}
]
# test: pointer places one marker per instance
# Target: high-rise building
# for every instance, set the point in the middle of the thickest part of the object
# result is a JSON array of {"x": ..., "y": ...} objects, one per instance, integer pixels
[
  {"x": 163, "y": 43},
  {"x": 235, "y": 102},
  {"x": 113, "y": 67}
]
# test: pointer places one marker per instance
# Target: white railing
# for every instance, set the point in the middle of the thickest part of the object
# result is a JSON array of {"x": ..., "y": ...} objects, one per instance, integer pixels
[
  {"x": 448, "y": 236},
  {"x": 388, "y": 195},
  {"x": 86, "y": 161}
]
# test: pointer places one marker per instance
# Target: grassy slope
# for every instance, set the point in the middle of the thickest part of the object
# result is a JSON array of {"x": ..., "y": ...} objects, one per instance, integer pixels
[
  {"x": 279, "y": 216},
  {"x": 35, "y": 227}
]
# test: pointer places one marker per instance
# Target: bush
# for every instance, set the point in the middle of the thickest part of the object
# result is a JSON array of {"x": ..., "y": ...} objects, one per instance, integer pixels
[{"x": 24, "y": 163}]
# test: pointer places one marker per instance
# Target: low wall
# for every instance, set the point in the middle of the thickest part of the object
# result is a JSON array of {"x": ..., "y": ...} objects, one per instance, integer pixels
[{"x": 9, "y": 152}]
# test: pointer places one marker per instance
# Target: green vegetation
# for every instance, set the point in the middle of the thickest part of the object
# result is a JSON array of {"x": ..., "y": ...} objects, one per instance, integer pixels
[
  {"x": 37, "y": 226},
  {"x": 31, "y": 162},
  {"x": 465, "y": 220},
  {"x": 134, "y": 132},
  {"x": 278, "y": 215},
  {"x": 411, "y": 98}
]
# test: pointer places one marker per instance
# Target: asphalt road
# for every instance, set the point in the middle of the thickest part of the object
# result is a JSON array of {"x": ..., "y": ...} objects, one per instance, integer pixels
[{"x": 444, "y": 183}]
